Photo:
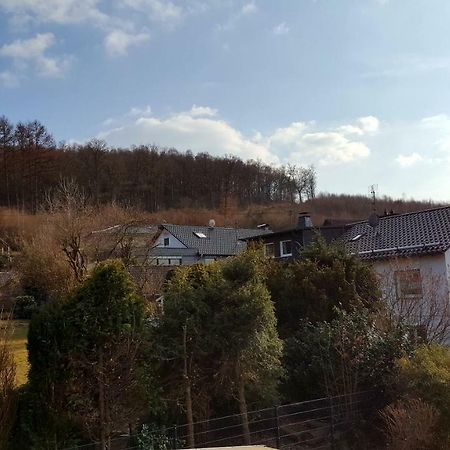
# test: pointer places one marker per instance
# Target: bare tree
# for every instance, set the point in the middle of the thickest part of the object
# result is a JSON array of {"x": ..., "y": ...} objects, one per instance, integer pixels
[
  {"x": 304, "y": 180},
  {"x": 418, "y": 297},
  {"x": 70, "y": 213}
]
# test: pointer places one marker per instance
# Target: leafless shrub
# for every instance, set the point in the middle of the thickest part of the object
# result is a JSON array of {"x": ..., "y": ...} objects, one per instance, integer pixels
[{"x": 410, "y": 424}]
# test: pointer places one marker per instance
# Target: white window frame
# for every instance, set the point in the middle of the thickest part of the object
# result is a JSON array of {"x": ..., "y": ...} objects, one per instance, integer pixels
[
  {"x": 282, "y": 254},
  {"x": 265, "y": 250}
]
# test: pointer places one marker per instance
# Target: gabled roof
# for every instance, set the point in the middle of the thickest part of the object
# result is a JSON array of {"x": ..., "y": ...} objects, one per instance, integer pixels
[
  {"x": 218, "y": 241},
  {"x": 416, "y": 233}
]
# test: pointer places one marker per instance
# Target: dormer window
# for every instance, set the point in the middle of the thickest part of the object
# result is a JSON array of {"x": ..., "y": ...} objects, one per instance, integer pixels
[{"x": 166, "y": 242}]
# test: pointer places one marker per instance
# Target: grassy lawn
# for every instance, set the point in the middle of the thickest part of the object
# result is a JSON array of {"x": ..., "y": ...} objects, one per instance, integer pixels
[{"x": 18, "y": 345}]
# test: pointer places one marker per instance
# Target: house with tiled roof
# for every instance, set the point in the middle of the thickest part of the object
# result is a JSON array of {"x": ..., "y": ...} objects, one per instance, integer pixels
[
  {"x": 175, "y": 245},
  {"x": 411, "y": 254},
  {"x": 286, "y": 245}
]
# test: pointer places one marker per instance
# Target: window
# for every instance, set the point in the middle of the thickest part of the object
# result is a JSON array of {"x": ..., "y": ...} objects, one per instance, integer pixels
[
  {"x": 199, "y": 234},
  {"x": 166, "y": 242},
  {"x": 408, "y": 284},
  {"x": 269, "y": 250},
  {"x": 168, "y": 261},
  {"x": 286, "y": 248}
]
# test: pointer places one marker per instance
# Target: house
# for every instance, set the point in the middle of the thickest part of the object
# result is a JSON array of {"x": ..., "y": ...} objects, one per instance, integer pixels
[
  {"x": 286, "y": 245},
  {"x": 411, "y": 254},
  {"x": 418, "y": 242},
  {"x": 175, "y": 245}
]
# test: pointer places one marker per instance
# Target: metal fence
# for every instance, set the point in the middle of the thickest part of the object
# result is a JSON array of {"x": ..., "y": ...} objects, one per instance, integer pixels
[{"x": 314, "y": 424}]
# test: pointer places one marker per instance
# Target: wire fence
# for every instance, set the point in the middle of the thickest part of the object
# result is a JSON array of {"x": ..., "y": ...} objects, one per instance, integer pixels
[{"x": 313, "y": 424}]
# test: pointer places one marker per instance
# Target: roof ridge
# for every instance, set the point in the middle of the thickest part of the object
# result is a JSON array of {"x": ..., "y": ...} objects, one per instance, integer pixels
[
  {"x": 389, "y": 216},
  {"x": 206, "y": 226}
]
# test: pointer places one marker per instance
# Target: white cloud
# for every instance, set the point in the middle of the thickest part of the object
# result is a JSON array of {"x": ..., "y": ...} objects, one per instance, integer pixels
[
  {"x": 246, "y": 10},
  {"x": 8, "y": 79},
  {"x": 205, "y": 111},
  {"x": 117, "y": 42},
  {"x": 439, "y": 121},
  {"x": 409, "y": 160},
  {"x": 281, "y": 29},
  {"x": 369, "y": 124},
  {"x": 183, "y": 131},
  {"x": 406, "y": 66},
  {"x": 201, "y": 130},
  {"x": 55, "y": 11},
  {"x": 157, "y": 10},
  {"x": 249, "y": 8},
  {"x": 32, "y": 52},
  {"x": 137, "y": 111}
]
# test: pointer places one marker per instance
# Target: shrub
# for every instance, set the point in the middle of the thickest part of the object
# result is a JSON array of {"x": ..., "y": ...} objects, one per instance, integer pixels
[
  {"x": 355, "y": 351},
  {"x": 151, "y": 437},
  {"x": 427, "y": 375},
  {"x": 314, "y": 288},
  {"x": 5, "y": 261},
  {"x": 24, "y": 307},
  {"x": 7, "y": 385},
  {"x": 410, "y": 424}
]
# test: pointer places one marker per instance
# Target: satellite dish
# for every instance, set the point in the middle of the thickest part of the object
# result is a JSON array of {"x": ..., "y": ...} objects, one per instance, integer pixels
[
  {"x": 211, "y": 223},
  {"x": 374, "y": 220}
]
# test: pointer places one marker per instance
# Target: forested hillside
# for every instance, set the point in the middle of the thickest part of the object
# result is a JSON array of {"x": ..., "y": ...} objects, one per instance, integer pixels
[
  {"x": 145, "y": 177},
  {"x": 166, "y": 184}
]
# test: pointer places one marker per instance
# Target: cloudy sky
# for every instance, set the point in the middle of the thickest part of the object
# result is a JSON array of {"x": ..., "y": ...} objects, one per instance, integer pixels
[{"x": 359, "y": 88}]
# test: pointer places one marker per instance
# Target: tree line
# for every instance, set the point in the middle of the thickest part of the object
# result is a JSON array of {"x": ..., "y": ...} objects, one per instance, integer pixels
[{"x": 146, "y": 176}]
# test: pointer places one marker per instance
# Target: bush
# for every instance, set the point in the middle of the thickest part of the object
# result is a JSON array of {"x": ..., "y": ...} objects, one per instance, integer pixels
[
  {"x": 427, "y": 375},
  {"x": 410, "y": 424},
  {"x": 5, "y": 261},
  {"x": 327, "y": 279},
  {"x": 354, "y": 352},
  {"x": 24, "y": 307},
  {"x": 7, "y": 384}
]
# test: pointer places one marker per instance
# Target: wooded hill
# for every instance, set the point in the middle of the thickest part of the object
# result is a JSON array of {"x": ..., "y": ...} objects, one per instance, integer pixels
[{"x": 166, "y": 184}]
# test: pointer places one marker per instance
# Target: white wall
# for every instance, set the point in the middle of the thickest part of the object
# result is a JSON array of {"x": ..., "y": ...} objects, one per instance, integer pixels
[
  {"x": 173, "y": 241},
  {"x": 434, "y": 308}
]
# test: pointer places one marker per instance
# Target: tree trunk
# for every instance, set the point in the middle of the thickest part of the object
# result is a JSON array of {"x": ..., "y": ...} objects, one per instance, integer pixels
[
  {"x": 101, "y": 403},
  {"x": 188, "y": 395},
  {"x": 243, "y": 406}
]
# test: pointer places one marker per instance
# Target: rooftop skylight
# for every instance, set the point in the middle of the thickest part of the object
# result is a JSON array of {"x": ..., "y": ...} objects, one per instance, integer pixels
[{"x": 200, "y": 234}]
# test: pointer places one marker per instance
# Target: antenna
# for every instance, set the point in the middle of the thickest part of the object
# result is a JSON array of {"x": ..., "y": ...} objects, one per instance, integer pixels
[
  {"x": 373, "y": 191},
  {"x": 374, "y": 220}
]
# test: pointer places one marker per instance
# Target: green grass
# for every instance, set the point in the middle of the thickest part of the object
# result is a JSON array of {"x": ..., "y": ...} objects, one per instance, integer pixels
[{"x": 18, "y": 345}]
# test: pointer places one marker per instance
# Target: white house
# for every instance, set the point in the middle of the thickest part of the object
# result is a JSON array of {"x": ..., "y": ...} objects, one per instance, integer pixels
[{"x": 411, "y": 253}]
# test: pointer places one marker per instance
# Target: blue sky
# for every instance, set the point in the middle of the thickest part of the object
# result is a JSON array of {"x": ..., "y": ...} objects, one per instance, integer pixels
[{"x": 359, "y": 88}]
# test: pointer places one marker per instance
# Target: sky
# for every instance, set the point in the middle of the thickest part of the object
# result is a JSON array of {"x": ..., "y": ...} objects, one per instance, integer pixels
[{"x": 358, "y": 88}]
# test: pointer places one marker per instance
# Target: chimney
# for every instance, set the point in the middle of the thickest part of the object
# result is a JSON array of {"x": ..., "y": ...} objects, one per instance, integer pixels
[{"x": 304, "y": 221}]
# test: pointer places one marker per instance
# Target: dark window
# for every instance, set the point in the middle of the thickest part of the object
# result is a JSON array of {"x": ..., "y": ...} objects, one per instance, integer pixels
[
  {"x": 286, "y": 248},
  {"x": 166, "y": 242}
]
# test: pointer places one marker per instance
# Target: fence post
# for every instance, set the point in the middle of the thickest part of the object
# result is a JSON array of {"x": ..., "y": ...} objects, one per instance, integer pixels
[
  {"x": 175, "y": 437},
  {"x": 277, "y": 419},
  {"x": 332, "y": 437}
]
